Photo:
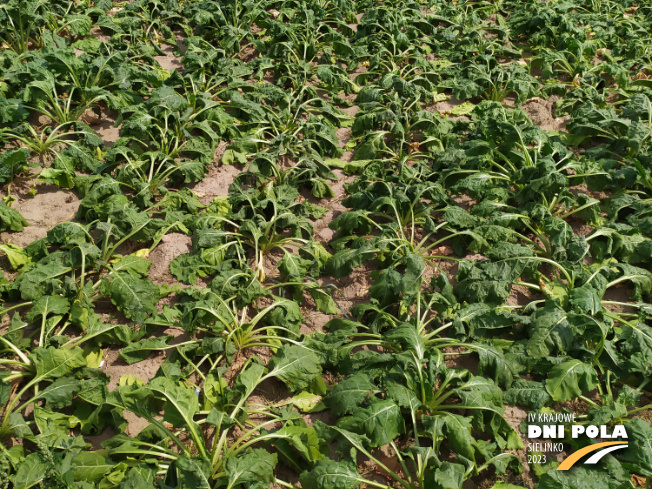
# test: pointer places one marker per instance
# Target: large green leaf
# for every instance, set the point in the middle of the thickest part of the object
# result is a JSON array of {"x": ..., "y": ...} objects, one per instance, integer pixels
[
  {"x": 447, "y": 476},
  {"x": 52, "y": 363},
  {"x": 11, "y": 219},
  {"x": 526, "y": 393},
  {"x": 190, "y": 473},
  {"x": 349, "y": 394},
  {"x": 578, "y": 477},
  {"x": 59, "y": 394},
  {"x": 30, "y": 472},
  {"x": 550, "y": 332},
  {"x": 182, "y": 403},
  {"x": 296, "y": 366},
  {"x": 46, "y": 305},
  {"x": 136, "y": 298},
  {"x": 493, "y": 365},
  {"x": 330, "y": 474},
  {"x": 570, "y": 379},
  {"x": 638, "y": 455},
  {"x": 140, "y": 350},
  {"x": 381, "y": 422},
  {"x": 91, "y": 466},
  {"x": 458, "y": 434},
  {"x": 41, "y": 280},
  {"x": 252, "y": 466}
]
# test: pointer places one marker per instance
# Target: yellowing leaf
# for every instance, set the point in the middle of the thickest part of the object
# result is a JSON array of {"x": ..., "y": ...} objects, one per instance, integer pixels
[{"x": 94, "y": 358}]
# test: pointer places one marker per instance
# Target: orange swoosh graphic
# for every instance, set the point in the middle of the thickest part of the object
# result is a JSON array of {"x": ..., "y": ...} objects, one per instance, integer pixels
[{"x": 574, "y": 457}]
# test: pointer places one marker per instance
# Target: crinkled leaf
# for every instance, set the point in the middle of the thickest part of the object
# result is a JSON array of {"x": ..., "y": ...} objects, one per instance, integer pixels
[
  {"x": 253, "y": 465},
  {"x": 11, "y": 219},
  {"x": 330, "y": 474},
  {"x": 135, "y": 298},
  {"x": 296, "y": 366},
  {"x": 381, "y": 422},
  {"x": 349, "y": 394},
  {"x": 526, "y": 393}
]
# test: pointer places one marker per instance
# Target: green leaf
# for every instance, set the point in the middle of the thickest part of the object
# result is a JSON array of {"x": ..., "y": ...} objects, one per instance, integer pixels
[
  {"x": 251, "y": 466},
  {"x": 59, "y": 394},
  {"x": 493, "y": 365},
  {"x": 330, "y": 474},
  {"x": 192, "y": 473},
  {"x": 447, "y": 476},
  {"x": 293, "y": 265},
  {"x": 140, "y": 350},
  {"x": 579, "y": 476},
  {"x": 41, "y": 280},
  {"x": 250, "y": 377},
  {"x": 135, "y": 298},
  {"x": 638, "y": 455},
  {"x": 11, "y": 219},
  {"x": 458, "y": 434},
  {"x": 187, "y": 267},
  {"x": 182, "y": 402},
  {"x": 349, "y": 394},
  {"x": 323, "y": 301},
  {"x": 570, "y": 379},
  {"x": 291, "y": 439},
  {"x": 12, "y": 161},
  {"x": 505, "y": 485},
  {"x": 349, "y": 167},
  {"x": 52, "y": 363},
  {"x": 381, "y": 422},
  {"x": 463, "y": 109},
  {"x": 19, "y": 427},
  {"x": 90, "y": 466},
  {"x": 46, "y": 305},
  {"x": 296, "y": 366},
  {"x": 526, "y": 393},
  {"x": 60, "y": 178},
  {"x": 306, "y": 402},
  {"x": 232, "y": 156},
  {"x": 30, "y": 472},
  {"x": 550, "y": 332},
  {"x": 585, "y": 299},
  {"x": 136, "y": 266}
]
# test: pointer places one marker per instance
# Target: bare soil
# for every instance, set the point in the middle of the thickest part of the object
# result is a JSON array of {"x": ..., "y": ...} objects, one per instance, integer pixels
[
  {"x": 542, "y": 113},
  {"x": 47, "y": 208},
  {"x": 216, "y": 183},
  {"x": 171, "y": 246}
]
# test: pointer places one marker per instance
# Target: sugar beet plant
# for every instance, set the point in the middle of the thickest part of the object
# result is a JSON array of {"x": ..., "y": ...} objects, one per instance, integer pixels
[{"x": 222, "y": 312}]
